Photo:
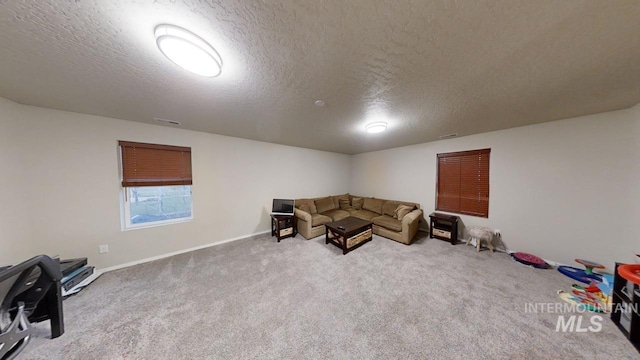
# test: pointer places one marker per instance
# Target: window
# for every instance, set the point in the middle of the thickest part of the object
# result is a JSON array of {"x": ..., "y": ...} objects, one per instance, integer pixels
[
  {"x": 156, "y": 184},
  {"x": 463, "y": 182}
]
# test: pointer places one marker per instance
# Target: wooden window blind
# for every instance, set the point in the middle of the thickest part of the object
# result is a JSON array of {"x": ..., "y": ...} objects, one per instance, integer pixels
[
  {"x": 155, "y": 165},
  {"x": 463, "y": 182}
]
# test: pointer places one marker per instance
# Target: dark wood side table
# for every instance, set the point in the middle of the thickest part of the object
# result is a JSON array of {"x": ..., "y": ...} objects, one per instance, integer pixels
[
  {"x": 283, "y": 226},
  {"x": 443, "y": 227},
  {"x": 625, "y": 309}
]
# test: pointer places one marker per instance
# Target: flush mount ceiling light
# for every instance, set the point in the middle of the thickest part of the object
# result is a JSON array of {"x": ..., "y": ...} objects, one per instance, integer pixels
[
  {"x": 319, "y": 103},
  {"x": 188, "y": 50},
  {"x": 376, "y": 127}
]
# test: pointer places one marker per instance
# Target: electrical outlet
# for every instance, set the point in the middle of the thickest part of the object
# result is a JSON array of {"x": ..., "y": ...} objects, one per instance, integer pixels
[
  {"x": 103, "y": 249},
  {"x": 497, "y": 232}
]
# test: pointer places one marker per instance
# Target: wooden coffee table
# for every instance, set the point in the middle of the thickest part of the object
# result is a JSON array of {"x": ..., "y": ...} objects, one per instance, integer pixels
[{"x": 349, "y": 233}]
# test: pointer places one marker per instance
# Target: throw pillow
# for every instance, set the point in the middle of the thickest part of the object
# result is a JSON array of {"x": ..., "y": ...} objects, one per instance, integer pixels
[
  {"x": 308, "y": 202},
  {"x": 402, "y": 211},
  {"x": 337, "y": 198},
  {"x": 389, "y": 207},
  {"x": 357, "y": 203},
  {"x": 344, "y": 204},
  {"x": 325, "y": 204},
  {"x": 372, "y": 204}
]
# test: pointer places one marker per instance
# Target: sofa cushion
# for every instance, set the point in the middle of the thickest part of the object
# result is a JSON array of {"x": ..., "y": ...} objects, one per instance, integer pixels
[
  {"x": 388, "y": 222},
  {"x": 345, "y": 205},
  {"x": 402, "y": 211},
  {"x": 305, "y": 208},
  {"x": 372, "y": 204},
  {"x": 364, "y": 214},
  {"x": 337, "y": 198},
  {"x": 325, "y": 204},
  {"x": 389, "y": 207},
  {"x": 357, "y": 203},
  {"x": 319, "y": 219},
  {"x": 310, "y": 205},
  {"x": 337, "y": 214}
]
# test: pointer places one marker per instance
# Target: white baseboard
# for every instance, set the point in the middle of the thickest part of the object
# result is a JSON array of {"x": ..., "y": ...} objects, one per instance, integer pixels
[{"x": 158, "y": 257}]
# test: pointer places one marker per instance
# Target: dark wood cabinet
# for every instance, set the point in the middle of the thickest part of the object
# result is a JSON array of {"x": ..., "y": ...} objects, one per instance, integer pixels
[
  {"x": 443, "y": 227},
  {"x": 626, "y": 307},
  {"x": 283, "y": 226}
]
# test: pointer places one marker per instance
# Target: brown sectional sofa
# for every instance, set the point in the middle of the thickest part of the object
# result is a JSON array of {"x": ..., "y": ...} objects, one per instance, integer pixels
[{"x": 389, "y": 220}]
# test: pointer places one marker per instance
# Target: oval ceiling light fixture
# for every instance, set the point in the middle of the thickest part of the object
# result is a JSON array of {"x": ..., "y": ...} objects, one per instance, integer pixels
[
  {"x": 376, "y": 127},
  {"x": 188, "y": 50},
  {"x": 319, "y": 103}
]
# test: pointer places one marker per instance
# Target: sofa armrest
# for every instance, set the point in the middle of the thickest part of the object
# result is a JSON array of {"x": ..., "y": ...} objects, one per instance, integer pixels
[
  {"x": 410, "y": 224},
  {"x": 411, "y": 217},
  {"x": 303, "y": 215}
]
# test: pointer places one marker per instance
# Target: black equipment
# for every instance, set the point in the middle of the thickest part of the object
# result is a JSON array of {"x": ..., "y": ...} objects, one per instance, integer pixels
[
  {"x": 71, "y": 265},
  {"x": 72, "y": 280},
  {"x": 30, "y": 292}
]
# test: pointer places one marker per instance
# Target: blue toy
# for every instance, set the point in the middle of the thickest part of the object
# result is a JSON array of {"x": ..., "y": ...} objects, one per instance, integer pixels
[{"x": 579, "y": 274}]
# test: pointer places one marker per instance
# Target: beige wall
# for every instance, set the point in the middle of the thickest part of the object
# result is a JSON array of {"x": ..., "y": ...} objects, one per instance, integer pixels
[
  {"x": 15, "y": 233},
  {"x": 561, "y": 190},
  {"x": 63, "y": 197}
]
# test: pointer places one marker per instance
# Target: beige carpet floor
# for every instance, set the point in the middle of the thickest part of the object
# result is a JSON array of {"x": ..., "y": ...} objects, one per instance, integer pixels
[{"x": 302, "y": 299}]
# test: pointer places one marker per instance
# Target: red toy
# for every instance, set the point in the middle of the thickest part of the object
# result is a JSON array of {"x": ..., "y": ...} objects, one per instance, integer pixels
[{"x": 630, "y": 272}]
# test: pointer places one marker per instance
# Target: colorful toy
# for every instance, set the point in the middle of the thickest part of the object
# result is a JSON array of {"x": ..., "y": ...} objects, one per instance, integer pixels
[
  {"x": 530, "y": 260},
  {"x": 592, "y": 288},
  {"x": 589, "y": 299},
  {"x": 579, "y": 274},
  {"x": 587, "y": 275},
  {"x": 576, "y": 301},
  {"x": 606, "y": 286},
  {"x": 630, "y": 272},
  {"x": 602, "y": 299},
  {"x": 589, "y": 265}
]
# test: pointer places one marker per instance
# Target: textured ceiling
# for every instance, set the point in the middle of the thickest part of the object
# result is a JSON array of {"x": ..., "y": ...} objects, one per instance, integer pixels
[{"x": 428, "y": 68}]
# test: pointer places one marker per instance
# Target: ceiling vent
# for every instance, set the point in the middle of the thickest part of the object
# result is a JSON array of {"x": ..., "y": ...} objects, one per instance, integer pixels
[
  {"x": 166, "y": 121},
  {"x": 448, "y": 136}
]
